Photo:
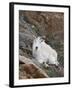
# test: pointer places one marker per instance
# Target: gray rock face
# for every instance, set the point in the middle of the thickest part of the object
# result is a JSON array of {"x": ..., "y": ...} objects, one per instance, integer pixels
[
  {"x": 26, "y": 34},
  {"x": 25, "y": 40}
]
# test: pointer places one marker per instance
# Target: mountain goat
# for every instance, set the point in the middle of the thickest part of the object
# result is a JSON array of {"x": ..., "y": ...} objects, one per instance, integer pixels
[{"x": 43, "y": 52}]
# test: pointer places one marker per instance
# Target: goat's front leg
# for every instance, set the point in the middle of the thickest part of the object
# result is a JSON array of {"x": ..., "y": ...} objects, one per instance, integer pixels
[{"x": 45, "y": 65}]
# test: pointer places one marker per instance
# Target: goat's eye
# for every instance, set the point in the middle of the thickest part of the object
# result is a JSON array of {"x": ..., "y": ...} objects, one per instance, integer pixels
[{"x": 36, "y": 48}]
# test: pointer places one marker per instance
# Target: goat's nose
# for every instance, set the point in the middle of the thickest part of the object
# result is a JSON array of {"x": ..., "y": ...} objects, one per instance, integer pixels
[{"x": 36, "y": 48}]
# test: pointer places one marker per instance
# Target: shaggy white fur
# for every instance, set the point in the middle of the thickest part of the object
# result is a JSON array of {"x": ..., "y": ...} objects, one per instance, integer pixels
[{"x": 44, "y": 52}]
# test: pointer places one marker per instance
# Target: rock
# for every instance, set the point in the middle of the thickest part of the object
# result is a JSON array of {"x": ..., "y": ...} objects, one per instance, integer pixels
[
  {"x": 55, "y": 71},
  {"x": 26, "y": 27},
  {"x": 25, "y": 40},
  {"x": 26, "y": 35},
  {"x": 46, "y": 22},
  {"x": 31, "y": 69},
  {"x": 21, "y": 52},
  {"x": 25, "y": 60},
  {"x": 22, "y": 73}
]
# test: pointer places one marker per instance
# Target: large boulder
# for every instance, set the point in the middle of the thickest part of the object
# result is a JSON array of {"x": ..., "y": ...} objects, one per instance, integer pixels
[{"x": 29, "y": 69}]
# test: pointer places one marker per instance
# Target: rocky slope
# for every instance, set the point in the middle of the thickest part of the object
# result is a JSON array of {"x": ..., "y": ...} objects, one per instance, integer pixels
[{"x": 49, "y": 24}]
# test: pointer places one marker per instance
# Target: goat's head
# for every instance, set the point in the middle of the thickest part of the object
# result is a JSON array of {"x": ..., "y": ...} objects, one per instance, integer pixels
[{"x": 37, "y": 42}]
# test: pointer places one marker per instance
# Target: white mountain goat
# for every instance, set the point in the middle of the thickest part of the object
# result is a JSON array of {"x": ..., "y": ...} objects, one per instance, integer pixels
[{"x": 43, "y": 52}]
